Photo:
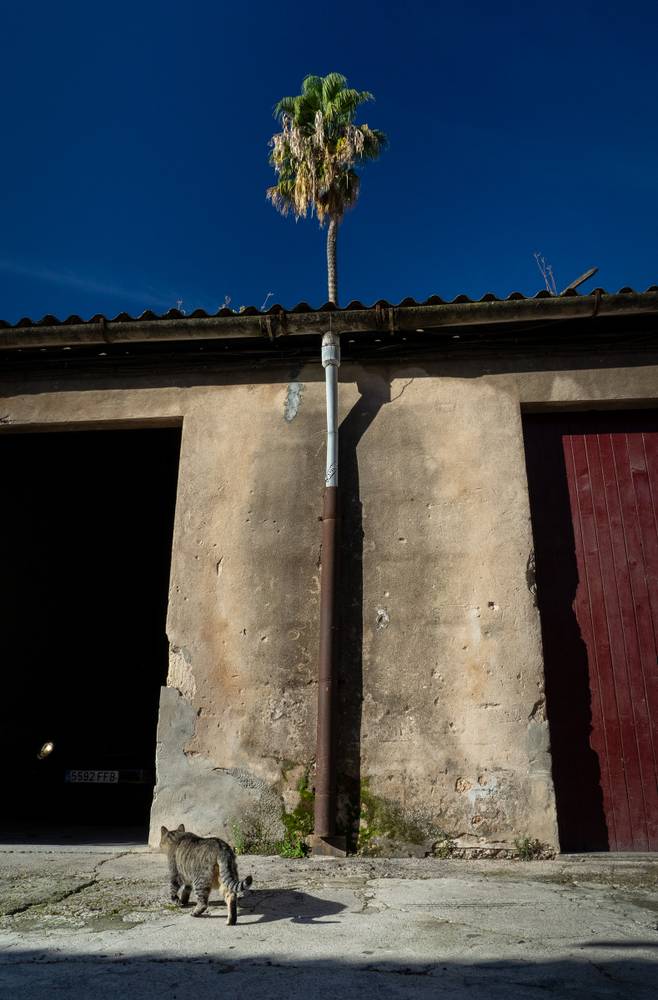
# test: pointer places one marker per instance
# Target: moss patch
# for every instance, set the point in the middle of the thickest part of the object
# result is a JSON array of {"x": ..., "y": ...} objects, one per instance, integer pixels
[
  {"x": 444, "y": 847},
  {"x": 529, "y": 849},
  {"x": 248, "y": 836},
  {"x": 381, "y": 818}
]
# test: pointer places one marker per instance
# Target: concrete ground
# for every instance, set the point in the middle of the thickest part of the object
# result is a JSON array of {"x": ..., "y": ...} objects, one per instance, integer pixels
[{"x": 95, "y": 921}]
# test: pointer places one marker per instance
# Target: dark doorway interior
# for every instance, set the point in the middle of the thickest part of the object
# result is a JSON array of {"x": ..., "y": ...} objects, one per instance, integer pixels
[{"x": 86, "y": 521}]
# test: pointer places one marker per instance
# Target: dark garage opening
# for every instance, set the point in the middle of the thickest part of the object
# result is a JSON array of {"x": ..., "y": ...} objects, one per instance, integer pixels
[{"x": 86, "y": 522}]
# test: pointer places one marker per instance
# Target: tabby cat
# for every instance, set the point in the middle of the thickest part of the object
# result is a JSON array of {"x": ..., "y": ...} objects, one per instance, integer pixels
[{"x": 202, "y": 864}]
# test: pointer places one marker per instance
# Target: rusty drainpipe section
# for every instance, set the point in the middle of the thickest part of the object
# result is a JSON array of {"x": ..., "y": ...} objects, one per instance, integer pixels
[{"x": 324, "y": 839}]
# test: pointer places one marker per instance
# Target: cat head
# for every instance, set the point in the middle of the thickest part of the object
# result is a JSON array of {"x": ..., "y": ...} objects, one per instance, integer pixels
[{"x": 169, "y": 837}]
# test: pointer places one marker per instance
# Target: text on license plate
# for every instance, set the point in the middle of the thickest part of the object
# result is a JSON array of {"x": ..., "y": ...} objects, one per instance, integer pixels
[{"x": 97, "y": 777}]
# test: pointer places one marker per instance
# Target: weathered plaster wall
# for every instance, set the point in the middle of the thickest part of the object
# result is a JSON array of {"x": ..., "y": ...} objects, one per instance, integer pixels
[
  {"x": 441, "y": 696},
  {"x": 454, "y": 681}
]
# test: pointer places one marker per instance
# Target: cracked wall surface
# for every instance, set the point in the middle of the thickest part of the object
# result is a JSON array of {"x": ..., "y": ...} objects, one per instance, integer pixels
[{"x": 441, "y": 698}]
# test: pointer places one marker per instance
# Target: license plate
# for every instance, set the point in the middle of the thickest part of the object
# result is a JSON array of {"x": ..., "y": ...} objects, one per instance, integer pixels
[{"x": 92, "y": 777}]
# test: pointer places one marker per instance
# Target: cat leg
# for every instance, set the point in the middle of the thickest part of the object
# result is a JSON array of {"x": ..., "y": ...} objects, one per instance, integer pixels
[
  {"x": 232, "y": 904},
  {"x": 174, "y": 886},
  {"x": 202, "y": 890},
  {"x": 185, "y": 895}
]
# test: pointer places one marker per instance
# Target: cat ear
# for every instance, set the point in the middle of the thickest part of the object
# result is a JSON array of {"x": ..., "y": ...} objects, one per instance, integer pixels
[
  {"x": 163, "y": 831},
  {"x": 181, "y": 829}
]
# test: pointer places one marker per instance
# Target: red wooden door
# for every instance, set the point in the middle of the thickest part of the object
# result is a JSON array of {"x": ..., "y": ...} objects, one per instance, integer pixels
[{"x": 593, "y": 482}]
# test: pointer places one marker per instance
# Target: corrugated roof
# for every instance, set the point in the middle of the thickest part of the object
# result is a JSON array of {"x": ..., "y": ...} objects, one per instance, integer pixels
[
  {"x": 304, "y": 307},
  {"x": 542, "y": 322}
]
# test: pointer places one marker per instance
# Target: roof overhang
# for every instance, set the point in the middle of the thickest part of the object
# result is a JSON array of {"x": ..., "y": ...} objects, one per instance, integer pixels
[
  {"x": 624, "y": 323},
  {"x": 278, "y": 323}
]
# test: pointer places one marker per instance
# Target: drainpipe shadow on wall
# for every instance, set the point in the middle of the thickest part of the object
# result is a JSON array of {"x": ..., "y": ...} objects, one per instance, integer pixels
[{"x": 375, "y": 391}]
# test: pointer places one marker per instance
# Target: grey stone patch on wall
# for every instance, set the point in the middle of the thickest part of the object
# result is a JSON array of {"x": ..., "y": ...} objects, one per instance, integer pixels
[
  {"x": 180, "y": 674},
  {"x": 293, "y": 400},
  {"x": 539, "y": 747},
  {"x": 191, "y": 789}
]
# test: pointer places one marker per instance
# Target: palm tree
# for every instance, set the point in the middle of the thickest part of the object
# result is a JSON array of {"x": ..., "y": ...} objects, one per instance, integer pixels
[{"x": 316, "y": 152}]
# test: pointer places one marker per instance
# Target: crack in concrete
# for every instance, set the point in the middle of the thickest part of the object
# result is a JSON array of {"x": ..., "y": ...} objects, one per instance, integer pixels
[
  {"x": 57, "y": 898},
  {"x": 405, "y": 386},
  {"x": 112, "y": 857}
]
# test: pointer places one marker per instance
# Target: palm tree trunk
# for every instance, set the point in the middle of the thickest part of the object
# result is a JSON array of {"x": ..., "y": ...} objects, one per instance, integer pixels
[{"x": 332, "y": 277}]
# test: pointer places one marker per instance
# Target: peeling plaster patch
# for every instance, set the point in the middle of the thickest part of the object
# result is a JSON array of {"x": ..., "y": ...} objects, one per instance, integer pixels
[
  {"x": 382, "y": 620},
  {"x": 538, "y": 711},
  {"x": 180, "y": 674},
  {"x": 5, "y": 419},
  {"x": 293, "y": 400},
  {"x": 531, "y": 577},
  {"x": 481, "y": 791}
]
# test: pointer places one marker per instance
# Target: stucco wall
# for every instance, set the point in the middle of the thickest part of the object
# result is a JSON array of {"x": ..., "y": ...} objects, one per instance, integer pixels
[{"x": 441, "y": 712}]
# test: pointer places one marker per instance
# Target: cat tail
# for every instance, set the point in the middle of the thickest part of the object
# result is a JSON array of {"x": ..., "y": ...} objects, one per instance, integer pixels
[
  {"x": 228, "y": 873},
  {"x": 245, "y": 883}
]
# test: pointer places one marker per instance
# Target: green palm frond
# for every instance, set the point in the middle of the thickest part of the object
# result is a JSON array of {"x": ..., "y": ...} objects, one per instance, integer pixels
[
  {"x": 332, "y": 84},
  {"x": 312, "y": 85},
  {"x": 318, "y": 148},
  {"x": 286, "y": 106},
  {"x": 346, "y": 103}
]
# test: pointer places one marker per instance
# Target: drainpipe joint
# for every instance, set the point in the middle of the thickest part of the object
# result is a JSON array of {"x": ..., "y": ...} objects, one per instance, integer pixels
[{"x": 331, "y": 350}]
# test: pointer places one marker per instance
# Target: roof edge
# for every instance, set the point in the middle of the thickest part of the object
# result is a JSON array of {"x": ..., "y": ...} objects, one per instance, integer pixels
[{"x": 383, "y": 318}]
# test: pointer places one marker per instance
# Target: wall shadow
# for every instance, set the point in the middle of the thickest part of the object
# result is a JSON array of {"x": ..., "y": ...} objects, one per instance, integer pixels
[
  {"x": 374, "y": 391},
  {"x": 576, "y": 771},
  {"x": 43, "y": 973}
]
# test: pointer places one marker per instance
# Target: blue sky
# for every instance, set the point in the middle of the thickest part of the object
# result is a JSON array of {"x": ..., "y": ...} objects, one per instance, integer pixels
[{"x": 135, "y": 136}]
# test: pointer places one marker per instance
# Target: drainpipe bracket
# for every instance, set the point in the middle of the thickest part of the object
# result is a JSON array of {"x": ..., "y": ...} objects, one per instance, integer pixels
[
  {"x": 266, "y": 327},
  {"x": 327, "y": 847},
  {"x": 102, "y": 323}
]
